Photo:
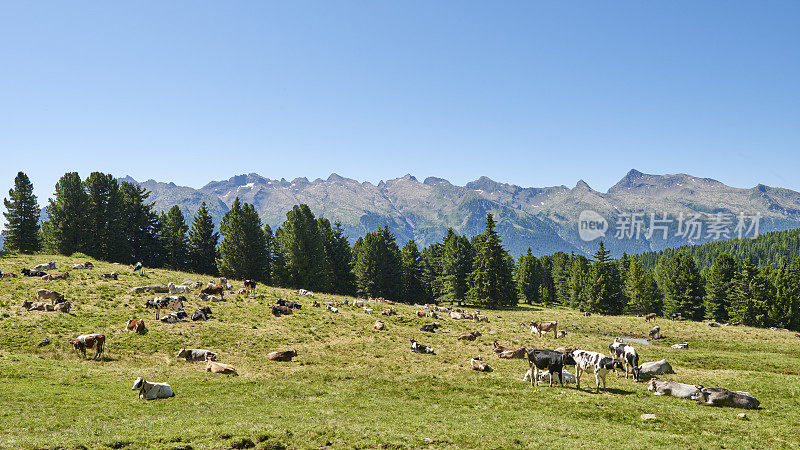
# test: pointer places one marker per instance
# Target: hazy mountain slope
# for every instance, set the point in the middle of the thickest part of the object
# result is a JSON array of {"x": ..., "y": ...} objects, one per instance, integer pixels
[{"x": 546, "y": 219}]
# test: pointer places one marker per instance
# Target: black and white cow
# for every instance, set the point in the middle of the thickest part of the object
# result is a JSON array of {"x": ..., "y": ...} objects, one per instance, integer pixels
[
  {"x": 598, "y": 363},
  {"x": 550, "y": 360},
  {"x": 419, "y": 348},
  {"x": 627, "y": 354},
  {"x": 203, "y": 313},
  {"x": 430, "y": 328},
  {"x": 172, "y": 302}
]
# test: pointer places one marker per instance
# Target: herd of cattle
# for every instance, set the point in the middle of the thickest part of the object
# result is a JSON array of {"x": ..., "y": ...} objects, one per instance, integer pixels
[{"x": 543, "y": 364}]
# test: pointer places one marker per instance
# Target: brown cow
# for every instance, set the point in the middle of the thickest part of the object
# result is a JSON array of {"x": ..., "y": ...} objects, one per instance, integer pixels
[
  {"x": 471, "y": 336},
  {"x": 379, "y": 325},
  {"x": 136, "y": 325},
  {"x": 277, "y": 310},
  {"x": 63, "y": 307},
  {"x": 56, "y": 276},
  {"x": 479, "y": 365},
  {"x": 649, "y": 317},
  {"x": 37, "y": 306},
  {"x": 84, "y": 341},
  {"x": 214, "y": 290},
  {"x": 510, "y": 352},
  {"x": 215, "y": 367},
  {"x": 544, "y": 326},
  {"x": 47, "y": 294},
  {"x": 422, "y": 314},
  {"x": 285, "y": 355}
]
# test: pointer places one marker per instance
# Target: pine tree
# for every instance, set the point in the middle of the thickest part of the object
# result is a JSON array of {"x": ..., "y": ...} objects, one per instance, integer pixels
[
  {"x": 378, "y": 265},
  {"x": 67, "y": 221},
  {"x": 140, "y": 228},
  {"x": 106, "y": 222},
  {"x": 22, "y": 217},
  {"x": 302, "y": 247},
  {"x": 579, "y": 283},
  {"x": 718, "y": 288},
  {"x": 641, "y": 290},
  {"x": 528, "y": 276},
  {"x": 173, "y": 238},
  {"x": 243, "y": 251},
  {"x": 491, "y": 282},
  {"x": 605, "y": 294},
  {"x": 412, "y": 290},
  {"x": 339, "y": 257},
  {"x": 682, "y": 287},
  {"x": 278, "y": 274},
  {"x": 431, "y": 270},
  {"x": 456, "y": 264},
  {"x": 787, "y": 311},
  {"x": 201, "y": 250}
]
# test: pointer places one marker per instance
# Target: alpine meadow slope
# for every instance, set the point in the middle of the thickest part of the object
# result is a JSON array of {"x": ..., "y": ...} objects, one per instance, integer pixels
[{"x": 545, "y": 219}]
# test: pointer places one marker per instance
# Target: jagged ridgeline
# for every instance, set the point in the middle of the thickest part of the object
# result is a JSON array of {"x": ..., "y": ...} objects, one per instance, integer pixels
[{"x": 545, "y": 219}]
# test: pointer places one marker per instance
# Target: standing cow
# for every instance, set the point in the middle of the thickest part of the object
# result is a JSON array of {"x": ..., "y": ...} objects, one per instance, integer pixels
[{"x": 84, "y": 341}]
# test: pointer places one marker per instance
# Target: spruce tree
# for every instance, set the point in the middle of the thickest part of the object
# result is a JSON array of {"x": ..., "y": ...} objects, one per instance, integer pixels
[
  {"x": 243, "y": 251},
  {"x": 718, "y": 288},
  {"x": 455, "y": 265},
  {"x": 140, "y": 227},
  {"x": 378, "y": 265},
  {"x": 105, "y": 218},
  {"x": 641, "y": 290},
  {"x": 431, "y": 270},
  {"x": 278, "y": 275},
  {"x": 787, "y": 310},
  {"x": 579, "y": 283},
  {"x": 22, "y": 217},
  {"x": 682, "y": 287},
  {"x": 338, "y": 256},
  {"x": 412, "y": 290},
  {"x": 173, "y": 238},
  {"x": 605, "y": 288},
  {"x": 491, "y": 283},
  {"x": 67, "y": 219},
  {"x": 201, "y": 249},
  {"x": 302, "y": 247},
  {"x": 528, "y": 276}
]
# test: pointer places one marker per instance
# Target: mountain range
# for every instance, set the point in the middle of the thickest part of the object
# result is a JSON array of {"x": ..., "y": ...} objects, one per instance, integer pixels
[{"x": 546, "y": 219}]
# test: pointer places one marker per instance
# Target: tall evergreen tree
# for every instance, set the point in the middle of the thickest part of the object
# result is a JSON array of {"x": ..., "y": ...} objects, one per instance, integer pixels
[
  {"x": 682, "y": 287},
  {"x": 243, "y": 251},
  {"x": 491, "y": 282},
  {"x": 302, "y": 246},
  {"x": 431, "y": 270},
  {"x": 106, "y": 222},
  {"x": 528, "y": 276},
  {"x": 456, "y": 264},
  {"x": 605, "y": 294},
  {"x": 787, "y": 302},
  {"x": 140, "y": 227},
  {"x": 412, "y": 290},
  {"x": 579, "y": 283},
  {"x": 278, "y": 274},
  {"x": 67, "y": 220},
  {"x": 378, "y": 265},
  {"x": 173, "y": 238},
  {"x": 641, "y": 290},
  {"x": 201, "y": 250},
  {"x": 752, "y": 297},
  {"x": 339, "y": 257},
  {"x": 718, "y": 288},
  {"x": 22, "y": 217}
]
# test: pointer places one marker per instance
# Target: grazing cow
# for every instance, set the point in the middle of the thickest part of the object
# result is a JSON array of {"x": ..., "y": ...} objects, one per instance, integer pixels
[
  {"x": 277, "y": 310},
  {"x": 471, "y": 336},
  {"x": 139, "y": 267},
  {"x": 37, "y": 306},
  {"x": 47, "y": 294},
  {"x": 250, "y": 287},
  {"x": 651, "y": 369},
  {"x": 242, "y": 291},
  {"x": 649, "y": 317},
  {"x": 429, "y": 328},
  {"x": 203, "y": 313},
  {"x": 111, "y": 276},
  {"x": 285, "y": 355},
  {"x": 587, "y": 314},
  {"x": 673, "y": 388},
  {"x": 655, "y": 333},
  {"x": 724, "y": 397},
  {"x": 136, "y": 325},
  {"x": 33, "y": 273},
  {"x": 455, "y": 315},
  {"x": 56, "y": 276},
  {"x": 46, "y": 266},
  {"x": 358, "y": 303},
  {"x": 544, "y": 326},
  {"x": 174, "y": 317},
  {"x": 196, "y": 354},
  {"x": 479, "y": 365},
  {"x": 332, "y": 308},
  {"x": 368, "y": 310},
  {"x": 389, "y": 312},
  {"x": 419, "y": 348},
  {"x": 152, "y": 391},
  {"x": 598, "y": 363},
  {"x": 178, "y": 289},
  {"x": 63, "y": 307},
  {"x": 84, "y": 341},
  {"x": 174, "y": 303},
  {"x": 224, "y": 283},
  {"x": 215, "y": 367},
  {"x": 683, "y": 346},
  {"x": 379, "y": 325},
  {"x": 627, "y": 354},
  {"x": 288, "y": 304},
  {"x": 553, "y": 361},
  {"x": 214, "y": 290}
]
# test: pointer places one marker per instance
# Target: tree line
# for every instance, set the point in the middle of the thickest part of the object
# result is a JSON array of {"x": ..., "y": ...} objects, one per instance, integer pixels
[{"x": 114, "y": 221}]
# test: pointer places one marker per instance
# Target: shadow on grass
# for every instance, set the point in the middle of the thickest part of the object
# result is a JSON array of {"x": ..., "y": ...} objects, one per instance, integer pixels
[{"x": 614, "y": 391}]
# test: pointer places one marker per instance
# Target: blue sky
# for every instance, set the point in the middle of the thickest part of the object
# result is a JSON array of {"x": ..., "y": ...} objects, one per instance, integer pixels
[{"x": 531, "y": 93}]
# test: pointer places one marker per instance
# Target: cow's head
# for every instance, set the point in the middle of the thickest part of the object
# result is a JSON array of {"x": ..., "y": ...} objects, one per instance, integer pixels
[
  {"x": 182, "y": 353},
  {"x": 652, "y": 385},
  {"x": 137, "y": 384},
  {"x": 568, "y": 360}
]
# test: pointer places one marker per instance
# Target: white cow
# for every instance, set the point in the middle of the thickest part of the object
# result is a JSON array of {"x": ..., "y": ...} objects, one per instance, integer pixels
[
  {"x": 152, "y": 391},
  {"x": 544, "y": 375},
  {"x": 358, "y": 303},
  {"x": 178, "y": 289},
  {"x": 598, "y": 363}
]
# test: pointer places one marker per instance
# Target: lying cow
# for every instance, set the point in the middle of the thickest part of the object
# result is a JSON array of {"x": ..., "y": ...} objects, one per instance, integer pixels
[
  {"x": 683, "y": 346},
  {"x": 218, "y": 291},
  {"x": 47, "y": 294},
  {"x": 111, "y": 276},
  {"x": 174, "y": 317},
  {"x": 288, "y": 304},
  {"x": 84, "y": 341},
  {"x": 358, "y": 303},
  {"x": 285, "y": 355},
  {"x": 154, "y": 288},
  {"x": 379, "y": 325},
  {"x": 305, "y": 293},
  {"x": 455, "y": 315},
  {"x": 136, "y": 325},
  {"x": 389, "y": 312},
  {"x": 178, "y": 289},
  {"x": 598, "y": 363},
  {"x": 56, "y": 276},
  {"x": 509, "y": 352},
  {"x": 46, "y": 266},
  {"x": 479, "y": 365},
  {"x": 430, "y": 328},
  {"x": 210, "y": 298},
  {"x": 152, "y": 391},
  {"x": 332, "y": 308},
  {"x": 551, "y": 360},
  {"x": 545, "y": 375},
  {"x": 724, "y": 397},
  {"x": 37, "y": 306},
  {"x": 215, "y": 367},
  {"x": 651, "y": 369},
  {"x": 673, "y": 388},
  {"x": 82, "y": 266},
  {"x": 203, "y": 313},
  {"x": 63, "y": 307},
  {"x": 7, "y": 274},
  {"x": 541, "y": 327},
  {"x": 471, "y": 336},
  {"x": 278, "y": 310},
  {"x": 196, "y": 354},
  {"x": 33, "y": 273},
  {"x": 419, "y": 348},
  {"x": 174, "y": 303}
]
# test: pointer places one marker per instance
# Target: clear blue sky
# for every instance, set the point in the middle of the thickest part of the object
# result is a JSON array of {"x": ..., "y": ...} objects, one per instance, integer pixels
[{"x": 532, "y": 93}]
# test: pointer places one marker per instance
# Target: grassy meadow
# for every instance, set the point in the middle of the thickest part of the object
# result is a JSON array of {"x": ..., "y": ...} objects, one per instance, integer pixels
[{"x": 352, "y": 386}]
